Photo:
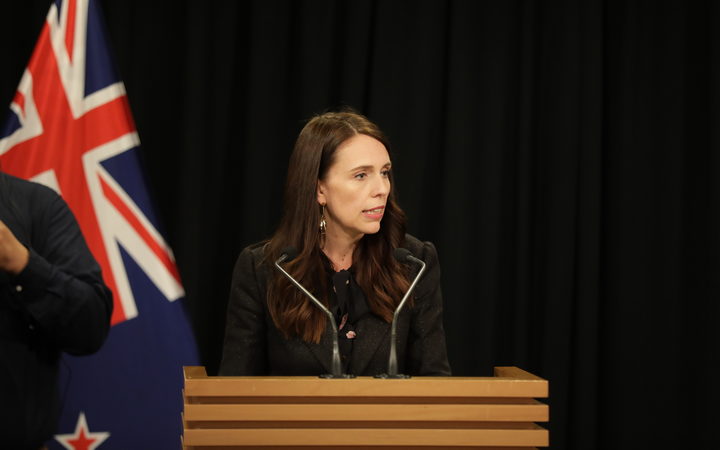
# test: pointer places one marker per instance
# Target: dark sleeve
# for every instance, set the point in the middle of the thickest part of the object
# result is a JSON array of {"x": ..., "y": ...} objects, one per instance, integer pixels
[
  {"x": 426, "y": 341},
  {"x": 244, "y": 350},
  {"x": 61, "y": 289}
]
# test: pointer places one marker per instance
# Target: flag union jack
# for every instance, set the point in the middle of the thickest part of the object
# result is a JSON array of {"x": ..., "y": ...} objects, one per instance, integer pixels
[{"x": 71, "y": 129}]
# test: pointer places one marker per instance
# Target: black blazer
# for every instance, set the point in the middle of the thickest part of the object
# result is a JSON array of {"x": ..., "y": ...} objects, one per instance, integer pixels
[{"x": 254, "y": 346}]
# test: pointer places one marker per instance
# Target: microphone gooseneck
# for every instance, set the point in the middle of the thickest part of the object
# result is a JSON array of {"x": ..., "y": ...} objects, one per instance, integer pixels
[
  {"x": 288, "y": 254},
  {"x": 404, "y": 256}
]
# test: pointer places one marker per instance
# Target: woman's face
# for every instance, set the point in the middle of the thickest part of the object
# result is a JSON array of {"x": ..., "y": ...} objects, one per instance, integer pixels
[{"x": 355, "y": 188}]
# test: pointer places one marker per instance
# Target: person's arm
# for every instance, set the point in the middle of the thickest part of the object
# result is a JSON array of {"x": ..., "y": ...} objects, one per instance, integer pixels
[
  {"x": 60, "y": 288},
  {"x": 426, "y": 342},
  {"x": 245, "y": 346}
]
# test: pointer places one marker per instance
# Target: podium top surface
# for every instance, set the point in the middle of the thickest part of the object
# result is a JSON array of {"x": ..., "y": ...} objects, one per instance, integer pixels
[{"x": 507, "y": 382}]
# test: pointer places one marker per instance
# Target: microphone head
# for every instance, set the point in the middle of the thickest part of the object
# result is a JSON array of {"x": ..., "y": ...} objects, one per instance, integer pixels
[
  {"x": 402, "y": 254},
  {"x": 290, "y": 252}
]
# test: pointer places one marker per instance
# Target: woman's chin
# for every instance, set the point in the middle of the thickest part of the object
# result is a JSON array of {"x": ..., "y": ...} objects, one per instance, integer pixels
[{"x": 372, "y": 229}]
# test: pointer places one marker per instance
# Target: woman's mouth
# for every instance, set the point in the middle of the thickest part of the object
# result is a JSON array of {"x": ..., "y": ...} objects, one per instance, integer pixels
[{"x": 374, "y": 213}]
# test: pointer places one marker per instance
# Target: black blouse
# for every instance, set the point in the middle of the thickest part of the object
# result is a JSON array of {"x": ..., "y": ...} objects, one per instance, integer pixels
[{"x": 348, "y": 304}]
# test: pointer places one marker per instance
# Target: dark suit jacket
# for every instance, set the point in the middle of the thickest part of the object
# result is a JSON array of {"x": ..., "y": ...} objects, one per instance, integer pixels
[{"x": 254, "y": 346}]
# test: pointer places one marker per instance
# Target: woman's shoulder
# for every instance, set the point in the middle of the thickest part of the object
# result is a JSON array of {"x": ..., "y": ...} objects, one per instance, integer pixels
[
  {"x": 251, "y": 256},
  {"x": 421, "y": 249},
  {"x": 257, "y": 249}
]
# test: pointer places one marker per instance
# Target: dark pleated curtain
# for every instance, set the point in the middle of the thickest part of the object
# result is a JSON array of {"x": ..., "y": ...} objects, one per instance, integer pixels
[{"x": 563, "y": 157}]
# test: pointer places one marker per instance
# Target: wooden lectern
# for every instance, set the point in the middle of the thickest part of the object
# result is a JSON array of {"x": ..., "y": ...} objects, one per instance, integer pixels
[{"x": 362, "y": 413}]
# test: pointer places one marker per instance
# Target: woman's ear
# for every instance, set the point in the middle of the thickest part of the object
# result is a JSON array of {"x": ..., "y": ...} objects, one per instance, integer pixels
[{"x": 321, "y": 193}]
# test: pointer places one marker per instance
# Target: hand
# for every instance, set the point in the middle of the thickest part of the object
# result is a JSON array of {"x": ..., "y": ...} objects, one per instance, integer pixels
[{"x": 13, "y": 255}]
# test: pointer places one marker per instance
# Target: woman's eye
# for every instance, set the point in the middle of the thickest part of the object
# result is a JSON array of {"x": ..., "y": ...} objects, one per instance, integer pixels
[
  {"x": 385, "y": 173},
  {"x": 360, "y": 176}
]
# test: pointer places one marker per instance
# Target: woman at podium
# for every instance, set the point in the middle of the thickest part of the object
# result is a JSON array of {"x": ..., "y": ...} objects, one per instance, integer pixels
[{"x": 337, "y": 237}]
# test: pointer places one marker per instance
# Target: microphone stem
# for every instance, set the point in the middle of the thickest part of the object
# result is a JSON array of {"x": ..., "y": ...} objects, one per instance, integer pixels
[
  {"x": 393, "y": 362},
  {"x": 336, "y": 365}
]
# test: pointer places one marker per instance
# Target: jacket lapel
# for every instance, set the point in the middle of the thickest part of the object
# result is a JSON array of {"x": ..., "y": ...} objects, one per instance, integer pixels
[{"x": 372, "y": 333}]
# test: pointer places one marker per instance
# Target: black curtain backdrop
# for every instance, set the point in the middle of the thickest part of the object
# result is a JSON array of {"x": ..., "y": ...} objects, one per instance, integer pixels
[{"x": 563, "y": 156}]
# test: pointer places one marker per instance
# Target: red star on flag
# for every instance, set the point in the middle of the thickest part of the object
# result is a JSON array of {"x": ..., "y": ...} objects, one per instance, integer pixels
[{"x": 82, "y": 438}]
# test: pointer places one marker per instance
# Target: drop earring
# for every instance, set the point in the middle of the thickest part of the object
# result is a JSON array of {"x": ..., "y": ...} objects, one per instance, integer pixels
[{"x": 323, "y": 226}]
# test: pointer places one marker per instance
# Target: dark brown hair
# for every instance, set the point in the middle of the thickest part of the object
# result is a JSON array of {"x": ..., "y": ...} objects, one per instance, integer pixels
[{"x": 379, "y": 275}]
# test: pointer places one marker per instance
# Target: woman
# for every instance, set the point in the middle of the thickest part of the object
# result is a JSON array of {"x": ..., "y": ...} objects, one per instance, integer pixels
[{"x": 341, "y": 216}]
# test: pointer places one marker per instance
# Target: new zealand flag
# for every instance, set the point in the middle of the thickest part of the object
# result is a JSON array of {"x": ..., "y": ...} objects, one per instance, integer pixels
[{"x": 70, "y": 128}]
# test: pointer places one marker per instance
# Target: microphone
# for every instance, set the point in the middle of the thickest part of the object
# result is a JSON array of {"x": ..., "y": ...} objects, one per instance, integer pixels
[
  {"x": 288, "y": 254},
  {"x": 403, "y": 255}
]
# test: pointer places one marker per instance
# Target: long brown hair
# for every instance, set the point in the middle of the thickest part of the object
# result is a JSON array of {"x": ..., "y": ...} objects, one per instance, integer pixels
[{"x": 379, "y": 275}]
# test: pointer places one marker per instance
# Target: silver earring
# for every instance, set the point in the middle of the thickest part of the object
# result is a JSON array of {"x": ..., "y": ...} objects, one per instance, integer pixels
[
  {"x": 323, "y": 227},
  {"x": 323, "y": 224}
]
